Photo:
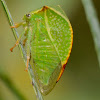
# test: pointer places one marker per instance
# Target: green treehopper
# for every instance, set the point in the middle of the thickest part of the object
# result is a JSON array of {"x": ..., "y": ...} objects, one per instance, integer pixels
[{"x": 49, "y": 38}]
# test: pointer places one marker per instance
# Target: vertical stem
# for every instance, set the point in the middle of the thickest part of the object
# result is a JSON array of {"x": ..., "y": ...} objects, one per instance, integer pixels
[
  {"x": 93, "y": 23},
  {"x": 15, "y": 33}
]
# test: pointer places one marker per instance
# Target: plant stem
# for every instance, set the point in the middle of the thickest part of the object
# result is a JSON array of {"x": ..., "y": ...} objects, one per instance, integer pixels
[
  {"x": 16, "y": 35},
  {"x": 93, "y": 23},
  {"x": 10, "y": 85}
]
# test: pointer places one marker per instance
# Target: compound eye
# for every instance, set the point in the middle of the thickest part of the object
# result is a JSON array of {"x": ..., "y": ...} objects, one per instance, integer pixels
[{"x": 28, "y": 15}]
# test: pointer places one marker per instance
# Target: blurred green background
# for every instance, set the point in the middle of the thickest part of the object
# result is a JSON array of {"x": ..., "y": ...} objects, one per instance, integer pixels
[{"x": 81, "y": 78}]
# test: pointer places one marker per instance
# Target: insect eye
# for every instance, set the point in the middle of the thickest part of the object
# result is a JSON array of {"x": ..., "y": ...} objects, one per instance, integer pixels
[{"x": 28, "y": 15}]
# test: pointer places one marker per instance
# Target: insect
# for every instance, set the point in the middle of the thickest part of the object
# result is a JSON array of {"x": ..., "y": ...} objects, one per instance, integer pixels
[{"x": 49, "y": 39}]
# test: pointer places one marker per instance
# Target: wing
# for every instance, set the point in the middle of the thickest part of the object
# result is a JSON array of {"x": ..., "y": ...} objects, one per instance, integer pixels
[{"x": 50, "y": 47}]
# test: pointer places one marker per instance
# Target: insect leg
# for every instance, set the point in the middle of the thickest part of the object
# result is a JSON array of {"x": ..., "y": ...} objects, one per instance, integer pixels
[
  {"x": 17, "y": 42},
  {"x": 28, "y": 47},
  {"x": 17, "y": 25},
  {"x": 24, "y": 41}
]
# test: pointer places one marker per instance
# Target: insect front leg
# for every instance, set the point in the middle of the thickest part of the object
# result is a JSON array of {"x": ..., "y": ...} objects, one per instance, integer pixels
[
  {"x": 28, "y": 47},
  {"x": 17, "y": 25}
]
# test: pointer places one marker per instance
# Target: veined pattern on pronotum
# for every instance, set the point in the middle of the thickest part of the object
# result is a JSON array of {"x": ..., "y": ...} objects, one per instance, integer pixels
[{"x": 49, "y": 37}]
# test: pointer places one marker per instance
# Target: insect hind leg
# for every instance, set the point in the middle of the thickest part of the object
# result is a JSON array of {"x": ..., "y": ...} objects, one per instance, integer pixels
[
  {"x": 24, "y": 41},
  {"x": 28, "y": 47}
]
